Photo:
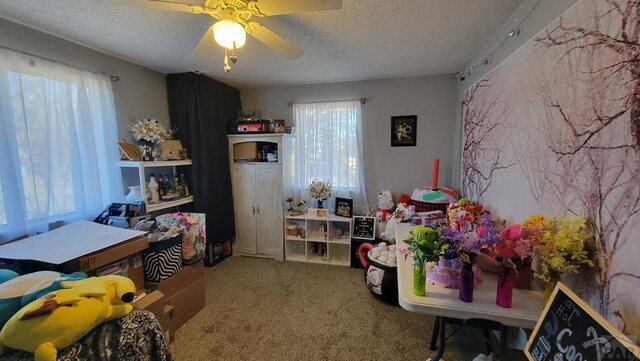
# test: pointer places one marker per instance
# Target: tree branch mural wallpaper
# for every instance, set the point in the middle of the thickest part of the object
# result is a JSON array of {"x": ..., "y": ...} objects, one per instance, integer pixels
[{"x": 555, "y": 130}]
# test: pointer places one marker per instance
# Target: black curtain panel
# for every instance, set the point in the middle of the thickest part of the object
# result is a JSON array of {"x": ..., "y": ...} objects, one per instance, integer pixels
[{"x": 200, "y": 109}]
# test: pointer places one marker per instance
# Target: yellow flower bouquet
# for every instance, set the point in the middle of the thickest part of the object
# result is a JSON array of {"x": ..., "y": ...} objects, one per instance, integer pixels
[{"x": 564, "y": 245}]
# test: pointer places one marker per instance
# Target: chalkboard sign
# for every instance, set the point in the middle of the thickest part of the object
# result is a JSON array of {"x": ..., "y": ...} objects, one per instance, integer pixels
[
  {"x": 570, "y": 330},
  {"x": 364, "y": 227}
]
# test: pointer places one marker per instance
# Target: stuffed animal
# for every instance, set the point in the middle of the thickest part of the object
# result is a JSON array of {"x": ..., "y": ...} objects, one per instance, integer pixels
[
  {"x": 385, "y": 203},
  {"x": 62, "y": 317},
  {"x": 17, "y": 291},
  {"x": 400, "y": 214}
]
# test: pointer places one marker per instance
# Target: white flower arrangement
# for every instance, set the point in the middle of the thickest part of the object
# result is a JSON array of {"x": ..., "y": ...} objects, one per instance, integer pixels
[
  {"x": 319, "y": 189},
  {"x": 149, "y": 130}
]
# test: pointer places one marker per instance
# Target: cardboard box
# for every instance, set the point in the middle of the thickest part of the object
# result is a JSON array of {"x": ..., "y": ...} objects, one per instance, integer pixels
[
  {"x": 106, "y": 256},
  {"x": 245, "y": 151},
  {"x": 187, "y": 302},
  {"x": 167, "y": 322},
  {"x": 128, "y": 267},
  {"x": 177, "y": 282},
  {"x": 152, "y": 302},
  {"x": 134, "y": 220}
]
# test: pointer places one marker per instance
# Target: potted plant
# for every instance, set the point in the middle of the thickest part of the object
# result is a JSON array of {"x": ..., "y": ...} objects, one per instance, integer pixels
[{"x": 426, "y": 245}]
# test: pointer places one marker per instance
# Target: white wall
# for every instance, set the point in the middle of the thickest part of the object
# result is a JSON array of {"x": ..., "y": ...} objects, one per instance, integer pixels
[
  {"x": 140, "y": 90},
  {"x": 398, "y": 169},
  {"x": 546, "y": 12}
]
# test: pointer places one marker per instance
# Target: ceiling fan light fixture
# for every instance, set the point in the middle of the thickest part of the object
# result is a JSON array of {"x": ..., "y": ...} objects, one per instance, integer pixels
[{"x": 227, "y": 32}]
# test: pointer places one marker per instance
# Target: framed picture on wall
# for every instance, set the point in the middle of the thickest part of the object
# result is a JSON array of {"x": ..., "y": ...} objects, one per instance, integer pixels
[{"x": 403, "y": 130}]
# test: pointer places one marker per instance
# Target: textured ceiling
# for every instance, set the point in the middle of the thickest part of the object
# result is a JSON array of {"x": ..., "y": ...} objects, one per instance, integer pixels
[{"x": 366, "y": 39}]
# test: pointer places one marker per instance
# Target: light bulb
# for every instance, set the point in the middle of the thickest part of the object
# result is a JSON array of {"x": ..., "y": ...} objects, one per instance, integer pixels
[{"x": 227, "y": 32}]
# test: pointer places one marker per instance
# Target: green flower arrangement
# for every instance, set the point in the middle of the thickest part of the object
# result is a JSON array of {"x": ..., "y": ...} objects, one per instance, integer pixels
[{"x": 426, "y": 244}]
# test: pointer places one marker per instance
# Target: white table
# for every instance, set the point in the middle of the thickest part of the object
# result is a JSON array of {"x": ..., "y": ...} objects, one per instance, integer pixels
[{"x": 442, "y": 302}]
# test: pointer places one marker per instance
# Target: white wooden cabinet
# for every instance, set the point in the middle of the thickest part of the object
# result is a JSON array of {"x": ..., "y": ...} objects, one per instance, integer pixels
[{"x": 259, "y": 188}]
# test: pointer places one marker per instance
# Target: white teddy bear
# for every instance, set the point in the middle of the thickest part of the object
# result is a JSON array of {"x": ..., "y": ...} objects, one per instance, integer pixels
[{"x": 385, "y": 203}]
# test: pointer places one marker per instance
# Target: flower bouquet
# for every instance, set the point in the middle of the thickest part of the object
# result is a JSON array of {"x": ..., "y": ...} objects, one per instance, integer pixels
[
  {"x": 319, "y": 190},
  {"x": 565, "y": 244},
  {"x": 148, "y": 133},
  {"x": 470, "y": 238}
]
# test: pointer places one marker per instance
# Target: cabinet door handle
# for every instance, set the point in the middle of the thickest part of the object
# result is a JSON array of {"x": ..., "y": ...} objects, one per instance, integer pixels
[
  {"x": 254, "y": 209},
  {"x": 258, "y": 209}
]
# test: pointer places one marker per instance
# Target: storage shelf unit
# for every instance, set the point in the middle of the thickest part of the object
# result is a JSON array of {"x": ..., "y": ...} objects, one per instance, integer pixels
[
  {"x": 325, "y": 240},
  {"x": 142, "y": 166}
]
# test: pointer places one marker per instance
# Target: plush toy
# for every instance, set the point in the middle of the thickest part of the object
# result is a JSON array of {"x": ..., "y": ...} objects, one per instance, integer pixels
[
  {"x": 16, "y": 291},
  {"x": 385, "y": 203},
  {"x": 397, "y": 216},
  {"x": 62, "y": 317}
]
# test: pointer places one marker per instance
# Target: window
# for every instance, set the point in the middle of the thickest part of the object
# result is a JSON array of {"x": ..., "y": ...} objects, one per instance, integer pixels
[
  {"x": 329, "y": 146},
  {"x": 57, "y": 145}
]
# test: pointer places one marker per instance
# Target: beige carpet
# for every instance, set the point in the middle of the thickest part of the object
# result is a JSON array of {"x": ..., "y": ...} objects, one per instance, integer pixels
[{"x": 267, "y": 310}]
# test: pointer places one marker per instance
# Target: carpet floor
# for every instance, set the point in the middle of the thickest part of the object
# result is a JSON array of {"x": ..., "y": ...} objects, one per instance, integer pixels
[{"x": 261, "y": 309}]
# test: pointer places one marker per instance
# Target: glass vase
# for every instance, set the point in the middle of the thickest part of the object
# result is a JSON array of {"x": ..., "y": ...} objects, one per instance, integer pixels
[
  {"x": 419, "y": 280},
  {"x": 549, "y": 286},
  {"x": 522, "y": 279},
  {"x": 504, "y": 293},
  {"x": 466, "y": 283},
  {"x": 320, "y": 203}
]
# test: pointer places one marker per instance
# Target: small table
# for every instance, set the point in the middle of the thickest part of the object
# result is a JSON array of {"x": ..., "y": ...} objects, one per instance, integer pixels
[{"x": 444, "y": 303}]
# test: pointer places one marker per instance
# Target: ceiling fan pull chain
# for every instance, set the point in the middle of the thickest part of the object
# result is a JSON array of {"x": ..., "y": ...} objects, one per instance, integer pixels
[
  {"x": 233, "y": 57},
  {"x": 227, "y": 68}
]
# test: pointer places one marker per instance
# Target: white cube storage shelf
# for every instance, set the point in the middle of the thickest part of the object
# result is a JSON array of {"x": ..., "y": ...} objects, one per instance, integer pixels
[{"x": 318, "y": 239}]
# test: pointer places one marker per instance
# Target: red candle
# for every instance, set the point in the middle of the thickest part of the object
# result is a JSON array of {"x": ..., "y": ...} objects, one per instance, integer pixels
[{"x": 434, "y": 173}]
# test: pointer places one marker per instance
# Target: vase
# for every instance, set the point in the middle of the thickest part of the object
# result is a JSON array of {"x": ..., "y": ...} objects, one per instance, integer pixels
[
  {"x": 156, "y": 153},
  {"x": 134, "y": 194},
  {"x": 549, "y": 286},
  {"x": 145, "y": 150},
  {"x": 466, "y": 282},
  {"x": 320, "y": 203},
  {"x": 522, "y": 279},
  {"x": 504, "y": 293},
  {"x": 419, "y": 280}
]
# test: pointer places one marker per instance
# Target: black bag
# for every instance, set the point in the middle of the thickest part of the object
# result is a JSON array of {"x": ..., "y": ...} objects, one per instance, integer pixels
[{"x": 118, "y": 214}]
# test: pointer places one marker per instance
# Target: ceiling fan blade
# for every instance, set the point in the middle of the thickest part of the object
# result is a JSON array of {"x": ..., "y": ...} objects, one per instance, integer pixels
[
  {"x": 278, "y": 7},
  {"x": 206, "y": 46},
  {"x": 275, "y": 41},
  {"x": 158, "y": 4}
]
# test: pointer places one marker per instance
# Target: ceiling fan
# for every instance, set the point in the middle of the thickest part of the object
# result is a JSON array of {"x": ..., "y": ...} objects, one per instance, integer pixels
[{"x": 235, "y": 22}]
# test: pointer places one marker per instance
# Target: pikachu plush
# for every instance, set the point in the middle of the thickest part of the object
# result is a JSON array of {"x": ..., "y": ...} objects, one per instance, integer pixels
[{"x": 62, "y": 317}]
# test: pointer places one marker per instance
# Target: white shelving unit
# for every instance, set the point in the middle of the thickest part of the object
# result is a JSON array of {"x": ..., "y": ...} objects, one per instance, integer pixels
[
  {"x": 314, "y": 239},
  {"x": 142, "y": 166}
]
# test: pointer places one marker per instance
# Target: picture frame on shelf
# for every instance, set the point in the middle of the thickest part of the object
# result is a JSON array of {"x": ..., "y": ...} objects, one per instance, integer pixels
[
  {"x": 318, "y": 212},
  {"x": 278, "y": 126},
  {"x": 344, "y": 207},
  {"x": 129, "y": 151},
  {"x": 171, "y": 149},
  {"x": 364, "y": 228},
  {"x": 404, "y": 130}
]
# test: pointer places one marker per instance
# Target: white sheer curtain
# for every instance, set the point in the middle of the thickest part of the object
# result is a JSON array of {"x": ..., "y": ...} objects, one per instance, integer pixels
[
  {"x": 329, "y": 145},
  {"x": 58, "y": 144}
]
